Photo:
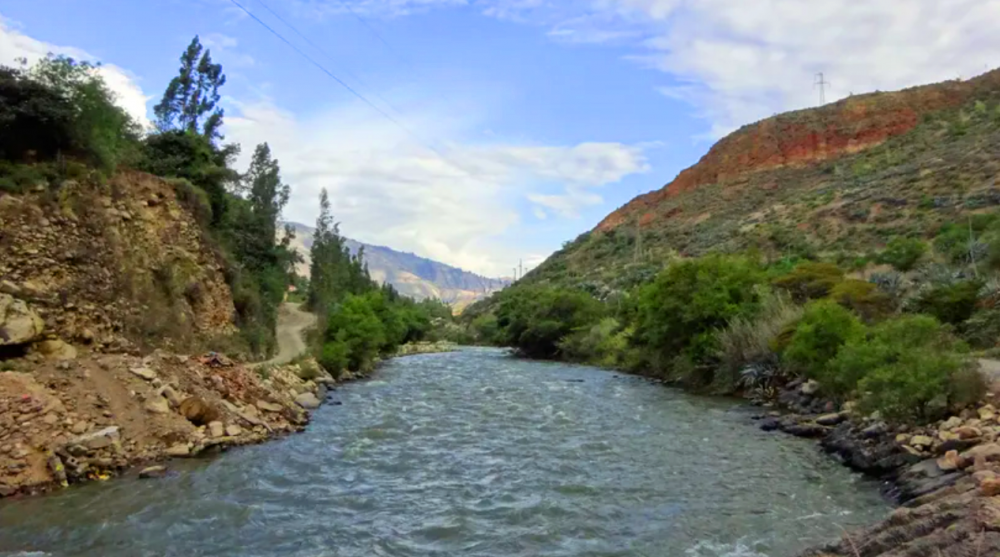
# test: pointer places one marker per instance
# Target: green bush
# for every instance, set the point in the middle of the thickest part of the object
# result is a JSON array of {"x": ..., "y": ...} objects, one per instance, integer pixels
[
  {"x": 194, "y": 199},
  {"x": 681, "y": 310},
  {"x": 61, "y": 107},
  {"x": 602, "y": 344},
  {"x": 903, "y": 253},
  {"x": 863, "y": 298},
  {"x": 334, "y": 357},
  {"x": 810, "y": 280},
  {"x": 950, "y": 303},
  {"x": 908, "y": 369},
  {"x": 982, "y": 330},
  {"x": 825, "y": 327},
  {"x": 535, "y": 319}
]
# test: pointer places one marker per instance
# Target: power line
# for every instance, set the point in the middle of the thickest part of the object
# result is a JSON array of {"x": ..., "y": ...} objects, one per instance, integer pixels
[
  {"x": 327, "y": 54},
  {"x": 345, "y": 85}
]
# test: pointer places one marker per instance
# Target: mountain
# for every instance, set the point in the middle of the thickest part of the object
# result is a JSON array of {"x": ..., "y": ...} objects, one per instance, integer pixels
[
  {"x": 411, "y": 275},
  {"x": 836, "y": 180}
]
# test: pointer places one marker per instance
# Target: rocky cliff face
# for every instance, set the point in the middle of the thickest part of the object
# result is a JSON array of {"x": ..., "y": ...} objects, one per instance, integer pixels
[
  {"x": 113, "y": 264},
  {"x": 808, "y": 136},
  {"x": 838, "y": 181}
]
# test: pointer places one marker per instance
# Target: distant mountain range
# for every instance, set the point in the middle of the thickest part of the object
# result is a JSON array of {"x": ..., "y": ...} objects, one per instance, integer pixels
[{"x": 411, "y": 275}]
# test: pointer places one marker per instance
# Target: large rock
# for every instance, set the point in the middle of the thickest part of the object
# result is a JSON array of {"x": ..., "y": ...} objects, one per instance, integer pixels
[
  {"x": 179, "y": 450},
  {"x": 158, "y": 405},
  {"x": 143, "y": 372},
  {"x": 233, "y": 430},
  {"x": 831, "y": 419},
  {"x": 198, "y": 411},
  {"x": 269, "y": 406},
  {"x": 18, "y": 323},
  {"x": 56, "y": 349},
  {"x": 216, "y": 429},
  {"x": 810, "y": 387},
  {"x": 307, "y": 401},
  {"x": 98, "y": 439}
]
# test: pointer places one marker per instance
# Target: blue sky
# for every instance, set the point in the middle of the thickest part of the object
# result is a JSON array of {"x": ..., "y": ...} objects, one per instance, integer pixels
[{"x": 518, "y": 123}]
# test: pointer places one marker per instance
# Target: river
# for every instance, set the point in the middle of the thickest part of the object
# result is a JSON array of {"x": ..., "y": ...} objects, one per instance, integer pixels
[{"x": 475, "y": 453}]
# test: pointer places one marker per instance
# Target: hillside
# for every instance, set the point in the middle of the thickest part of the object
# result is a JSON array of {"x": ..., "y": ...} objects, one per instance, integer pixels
[
  {"x": 411, "y": 275},
  {"x": 837, "y": 180}
]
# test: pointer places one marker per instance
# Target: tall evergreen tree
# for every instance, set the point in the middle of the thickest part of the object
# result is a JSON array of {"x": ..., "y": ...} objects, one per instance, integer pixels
[{"x": 190, "y": 102}]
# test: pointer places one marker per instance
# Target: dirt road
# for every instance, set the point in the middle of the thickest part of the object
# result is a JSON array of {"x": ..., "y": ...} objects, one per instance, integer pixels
[{"x": 292, "y": 322}]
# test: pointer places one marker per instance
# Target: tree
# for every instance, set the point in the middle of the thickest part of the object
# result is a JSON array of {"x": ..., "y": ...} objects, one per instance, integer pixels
[
  {"x": 190, "y": 102},
  {"x": 334, "y": 272},
  {"x": 267, "y": 196}
]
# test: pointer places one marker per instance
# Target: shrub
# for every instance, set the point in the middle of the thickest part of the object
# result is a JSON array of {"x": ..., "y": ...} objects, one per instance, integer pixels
[
  {"x": 810, "y": 280},
  {"x": 903, "y": 253},
  {"x": 355, "y": 324},
  {"x": 308, "y": 370},
  {"x": 949, "y": 303},
  {"x": 982, "y": 330},
  {"x": 910, "y": 368},
  {"x": 825, "y": 327},
  {"x": 603, "y": 344},
  {"x": 691, "y": 299},
  {"x": 535, "y": 319},
  {"x": 749, "y": 341},
  {"x": 334, "y": 357},
  {"x": 194, "y": 199},
  {"x": 863, "y": 298}
]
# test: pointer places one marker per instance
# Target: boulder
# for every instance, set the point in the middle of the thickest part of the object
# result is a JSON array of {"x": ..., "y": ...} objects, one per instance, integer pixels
[
  {"x": 153, "y": 472},
  {"x": 987, "y": 413},
  {"x": 830, "y": 419},
  {"x": 98, "y": 439},
  {"x": 198, "y": 411},
  {"x": 951, "y": 461},
  {"x": 143, "y": 372},
  {"x": 158, "y": 405},
  {"x": 810, "y": 387},
  {"x": 233, "y": 430},
  {"x": 968, "y": 432},
  {"x": 921, "y": 441},
  {"x": 307, "y": 401},
  {"x": 986, "y": 451},
  {"x": 56, "y": 349},
  {"x": 216, "y": 429},
  {"x": 18, "y": 323},
  {"x": 990, "y": 487},
  {"x": 171, "y": 395},
  {"x": 178, "y": 450},
  {"x": 951, "y": 423},
  {"x": 269, "y": 406}
]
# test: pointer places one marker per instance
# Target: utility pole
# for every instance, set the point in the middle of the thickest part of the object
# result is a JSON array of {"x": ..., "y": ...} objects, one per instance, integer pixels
[
  {"x": 515, "y": 274},
  {"x": 520, "y": 267},
  {"x": 821, "y": 82}
]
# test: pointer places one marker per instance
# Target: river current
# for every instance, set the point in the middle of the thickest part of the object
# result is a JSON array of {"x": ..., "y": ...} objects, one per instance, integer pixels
[{"x": 475, "y": 453}]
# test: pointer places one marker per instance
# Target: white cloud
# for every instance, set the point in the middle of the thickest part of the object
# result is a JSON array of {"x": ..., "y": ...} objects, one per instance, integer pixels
[
  {"x": 15, "y": 45},
  {"x": 387, "y": 189},
  {"x": 737, "y": 61},
  {"x": 225, "y": 49}
]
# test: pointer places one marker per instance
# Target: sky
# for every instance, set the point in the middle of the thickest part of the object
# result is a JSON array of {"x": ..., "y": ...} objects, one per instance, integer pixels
[{"x": 484, "y": 132}]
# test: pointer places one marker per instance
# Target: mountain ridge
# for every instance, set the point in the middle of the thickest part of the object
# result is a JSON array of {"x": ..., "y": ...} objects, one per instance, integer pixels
[{"x": 410, "y": 274}]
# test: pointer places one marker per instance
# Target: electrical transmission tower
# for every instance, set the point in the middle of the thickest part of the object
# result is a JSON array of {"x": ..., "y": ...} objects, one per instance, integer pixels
[{"x": 821, "y": 82}]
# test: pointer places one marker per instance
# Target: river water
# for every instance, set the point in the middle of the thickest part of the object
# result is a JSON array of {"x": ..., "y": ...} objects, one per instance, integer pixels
[{"x": 475, "y": 453}]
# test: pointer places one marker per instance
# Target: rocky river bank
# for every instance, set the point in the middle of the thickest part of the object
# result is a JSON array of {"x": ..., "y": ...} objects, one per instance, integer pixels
[
  {"x": 92, "y": 417},
  {"x": 945, "y": 477}
]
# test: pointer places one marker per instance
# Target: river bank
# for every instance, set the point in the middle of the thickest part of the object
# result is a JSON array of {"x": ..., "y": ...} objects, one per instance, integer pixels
[
  {"x": 96, "y": 416},
  {"x": 944, "y": 477}
]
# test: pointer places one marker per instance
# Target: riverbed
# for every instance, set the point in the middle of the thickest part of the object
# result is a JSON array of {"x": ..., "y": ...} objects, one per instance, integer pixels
[{"x": 475, "y": 453}]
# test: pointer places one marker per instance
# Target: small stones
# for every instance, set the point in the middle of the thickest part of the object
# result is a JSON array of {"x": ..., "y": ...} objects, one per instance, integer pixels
[
  {"x": 987, "y": 413},
  {"x": 968, "y": 432},
  {"x": 80, "y": 427},
  {"x": 990, "y": 487},
  {"x": 952, "y": 461},
  {"x": 50, "y": 419},
  {"x": 951, "y": 423}
]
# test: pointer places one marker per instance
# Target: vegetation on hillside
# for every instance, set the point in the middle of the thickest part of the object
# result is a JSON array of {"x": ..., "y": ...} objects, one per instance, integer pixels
[
  {"x": 59, "y": 121},
  {"x": 894, "y": 340}
]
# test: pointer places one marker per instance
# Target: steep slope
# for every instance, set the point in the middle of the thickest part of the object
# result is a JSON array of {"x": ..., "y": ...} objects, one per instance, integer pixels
[
  {"x": 113, "y": 263},
  {"x": 411, "y": 275},
  {"x": 839, "y": 179}
]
